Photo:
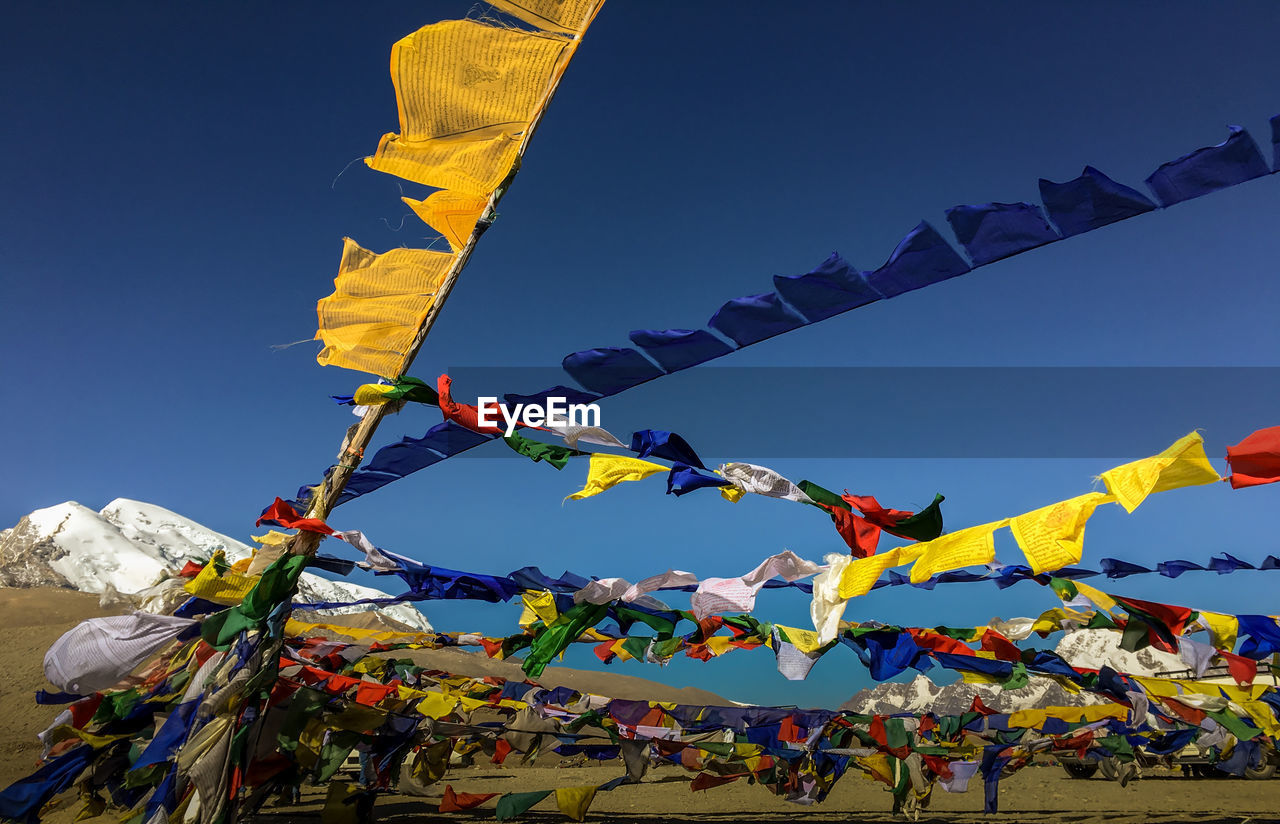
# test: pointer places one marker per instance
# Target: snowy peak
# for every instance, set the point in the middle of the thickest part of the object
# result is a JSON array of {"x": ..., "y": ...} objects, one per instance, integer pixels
[
  {"x": 174, "y": 537},
  {"x": 1096, "y": 648},
  {"x": 130, "y": 546},
  {"x": 1082, "y": 648}
]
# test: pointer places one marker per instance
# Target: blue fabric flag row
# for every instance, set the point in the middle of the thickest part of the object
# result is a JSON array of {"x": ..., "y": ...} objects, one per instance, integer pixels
[
  {"x": 989, "y": 232},
  {"x": 431, "y": 583}
]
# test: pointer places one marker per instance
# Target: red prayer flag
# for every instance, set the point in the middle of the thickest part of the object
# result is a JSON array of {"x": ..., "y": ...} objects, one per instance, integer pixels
[
  {"x": 288, "y": 517},
  {"x": 1255, "y": 460},
  {"x": 464, "y": 414},
  {"x": 706, "y": 781},
  {"x": 861, "y": 536},
  {"x": 501, "y": 749},
  {"x": 1004, "y": 649},
  {"x": 453, "y": 802},
  {"x": 979, "y": 707},
  {"x": 1243, "y": 670}
]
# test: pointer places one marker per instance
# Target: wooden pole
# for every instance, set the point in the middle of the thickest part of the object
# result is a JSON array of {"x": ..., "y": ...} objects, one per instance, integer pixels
[{"x": 359, "y": 436}]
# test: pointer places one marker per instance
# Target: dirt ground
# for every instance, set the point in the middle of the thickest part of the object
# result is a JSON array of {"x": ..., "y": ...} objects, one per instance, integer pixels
[{"x": 30, "y": 620}]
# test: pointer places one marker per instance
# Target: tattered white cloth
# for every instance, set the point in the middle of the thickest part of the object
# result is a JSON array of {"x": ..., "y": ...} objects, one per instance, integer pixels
[{"x": 99, "y": 652}]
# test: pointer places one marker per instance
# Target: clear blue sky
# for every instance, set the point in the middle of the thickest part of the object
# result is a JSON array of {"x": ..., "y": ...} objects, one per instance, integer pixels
[{"x": 175, "y": 199}]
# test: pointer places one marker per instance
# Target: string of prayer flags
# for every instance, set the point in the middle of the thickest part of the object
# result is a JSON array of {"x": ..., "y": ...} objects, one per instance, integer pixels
[
  {"x": 1052, "y": 537},
  {"x": 608, "y": 471},
  {"x": 1256, "y": 459},
  {"x": 1184, "y": 463}
]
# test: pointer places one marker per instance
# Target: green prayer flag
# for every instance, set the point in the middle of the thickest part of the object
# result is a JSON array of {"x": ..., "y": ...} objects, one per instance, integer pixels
[
  {"x": 514, "y": 804},
  {"x": 1063, "y": 588},
  {"x": 556, "y": 638},
  {"x": 414, "y": 389},
  {"x": 557, "y": 456},
  {"x": 1017, "y": 679},
  {"x": 1234, "y": 724},
  {"x": 925, "y": 525},
  {"x": 276, "y": 586},
  {"x": 822, "y": 496}
]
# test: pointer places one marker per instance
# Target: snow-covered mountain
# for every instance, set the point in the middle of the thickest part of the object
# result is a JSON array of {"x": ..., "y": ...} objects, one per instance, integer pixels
[
  {"x": 130, "y": 545},
  {"x": 1084, "y": 648}
]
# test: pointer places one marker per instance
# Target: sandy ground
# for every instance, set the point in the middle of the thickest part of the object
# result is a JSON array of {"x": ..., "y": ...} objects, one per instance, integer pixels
[{"x": 30, "y": 620}]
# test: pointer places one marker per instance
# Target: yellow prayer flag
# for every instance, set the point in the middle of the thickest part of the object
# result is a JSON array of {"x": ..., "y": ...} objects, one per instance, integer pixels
[
  {"x": 1029, "y": 719},
  {"x": 437, "y": 705},
  {"x": 539, "y": 606},
  {"x": 732, "y": 494},
  {"x": 228, "y": 589},
  {"x": 1222, "y": 629},
  {"x": 1182, "y": 464},
  {"x": 1053, "y": 536},
  {"x": 575, "y": 801},
  {"x": 452, "y": 214},
  {"x": 379, "y": 300},
  {"x": 610, "y": 470},
  {"x": 272, "y": 538},
  {"x": 860, "y": 575},
  {"x": 372, "y": 394},
  {"x": 805, "y": 640},
  {"x": 1099, "y": 598},
  {"x": 968, "y": 547},
  {"x": 559, "y": 15},
  {"x": 466, "y": 93}
]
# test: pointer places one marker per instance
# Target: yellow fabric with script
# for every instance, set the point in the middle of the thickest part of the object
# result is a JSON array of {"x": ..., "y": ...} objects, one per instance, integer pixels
[
  {"x": 805, "y": 640},
  {"x": 228, "y": 589},
  {"x": 453, "y": 214},
  {"x": 378, "y": 303},
  {"x": 1222, "y": 629},
  {"x": 610, "y": 470},
  {"x": 1053, "y": 536},
  {"x": 968, "y": 547},
  {"x": 558, "y": 15},
  {"x": 860, "y": 575},
  {"x": 1182, "y": 464},
  {"x": 575, "y": 801},
  {"x": 466, "y": 93}
]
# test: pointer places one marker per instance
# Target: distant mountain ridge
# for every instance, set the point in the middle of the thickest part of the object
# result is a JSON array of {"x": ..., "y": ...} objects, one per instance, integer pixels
[
  {"x": 1083, "y": 648},
  {"x": 129, "y": 545}
]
